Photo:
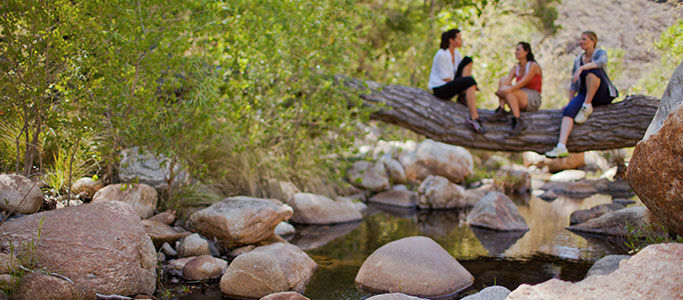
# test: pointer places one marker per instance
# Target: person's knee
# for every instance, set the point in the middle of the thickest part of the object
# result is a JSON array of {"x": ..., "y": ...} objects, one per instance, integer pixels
[
  {"x": 469, "y": 80},
  {"x": 592, "y": 78}
]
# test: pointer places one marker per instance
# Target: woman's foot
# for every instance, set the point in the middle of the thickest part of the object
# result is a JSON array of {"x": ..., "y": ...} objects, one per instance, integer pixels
[
  {"x": 517, "y": 126},
  {"x": 584, "y": 112},
  {"x": 558, "y": 151},
  {"x": 475, "y": 125}
]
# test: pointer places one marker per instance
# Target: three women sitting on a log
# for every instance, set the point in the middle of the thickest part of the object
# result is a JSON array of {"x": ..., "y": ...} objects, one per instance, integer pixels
[{"x": 451, "y": 75}]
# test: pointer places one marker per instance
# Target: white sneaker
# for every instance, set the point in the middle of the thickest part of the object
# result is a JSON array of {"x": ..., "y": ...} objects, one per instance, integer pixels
[
  {"x": 584, "y": 112},
  {"x": 558, "y": 151}
]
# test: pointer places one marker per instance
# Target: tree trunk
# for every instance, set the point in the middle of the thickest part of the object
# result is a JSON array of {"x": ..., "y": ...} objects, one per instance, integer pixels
[{"x": 617, "y": 125}]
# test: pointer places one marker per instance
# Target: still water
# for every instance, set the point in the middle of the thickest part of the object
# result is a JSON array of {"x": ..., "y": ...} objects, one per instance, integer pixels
[{"x": 546, "y": 251}]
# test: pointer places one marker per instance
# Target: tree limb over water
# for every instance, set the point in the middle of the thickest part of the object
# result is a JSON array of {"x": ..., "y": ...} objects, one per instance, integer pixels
[{"x": 617, "y": 125}]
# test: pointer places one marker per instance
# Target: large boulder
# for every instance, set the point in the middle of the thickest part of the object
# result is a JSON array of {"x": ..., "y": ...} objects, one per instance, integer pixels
[
  {"x": 402, "y": 198},
  {"x": 42, "y": 286},
  {"x": 584, "y": 215},
  {"x": 655, "y": 171},
  {"x": 102, "y": 247},
  {"x": 415, "y": 266},
  {"x": 141, "y": 197},
  {"x": 317, "y": 209},
  {"x": 240, "y": 220},
  {"x": 496, "y": 211},
  {"x": 653, "y": 273},
  {"x": 20, "y": 194},
  {"x": 435, "y": 158},
  {"x": 268, "y": 269},
  {"x": 437, "y": 192},
  {"x": 615, "y": 222},
  {"x": 369, "y": 176},
  {"x": 143, "y": 167}
]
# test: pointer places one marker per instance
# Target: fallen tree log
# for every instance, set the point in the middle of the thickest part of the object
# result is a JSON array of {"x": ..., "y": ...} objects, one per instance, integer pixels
[{"x": 617, "y": 125}]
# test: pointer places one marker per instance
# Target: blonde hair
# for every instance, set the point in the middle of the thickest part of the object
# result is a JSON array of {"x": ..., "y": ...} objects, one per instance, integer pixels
[{"x": 591, "y": 35}]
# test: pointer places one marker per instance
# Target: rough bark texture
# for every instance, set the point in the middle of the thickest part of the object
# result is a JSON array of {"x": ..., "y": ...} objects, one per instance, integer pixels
[{"x": 618, "y": 125}]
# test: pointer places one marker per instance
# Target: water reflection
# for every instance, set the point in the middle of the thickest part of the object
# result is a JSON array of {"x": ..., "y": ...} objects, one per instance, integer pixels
[
  {"x": 496, "y": 242},
  {"x": 316, "y": 236}
]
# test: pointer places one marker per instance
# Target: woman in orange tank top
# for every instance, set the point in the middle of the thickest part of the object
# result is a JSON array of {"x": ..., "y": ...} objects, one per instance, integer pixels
[{"x": 525, "y": 93}]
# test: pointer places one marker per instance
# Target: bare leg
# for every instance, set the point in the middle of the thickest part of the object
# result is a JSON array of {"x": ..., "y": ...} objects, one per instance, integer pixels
[
  {"x": 467, "y": 70},
  {"x": 501, "y": 84},
  {"x": 565, "y": 129},
  {"x": 472, "y": 102},
  {"x": 517, "y": 101},
  {"x": 592, "y": 85}
]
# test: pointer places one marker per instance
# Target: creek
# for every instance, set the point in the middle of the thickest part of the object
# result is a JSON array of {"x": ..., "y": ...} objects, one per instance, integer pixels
[{"x": 546, "y": 251}]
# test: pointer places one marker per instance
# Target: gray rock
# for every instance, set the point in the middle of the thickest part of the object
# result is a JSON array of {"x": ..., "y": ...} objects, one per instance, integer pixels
[
  {"x": 13, "y": 188},
  {"x": 369, "y": 176},
  {"x": 568, "y": 175},
  {"x": 495, "y": 292},
  {"x": 193, "y": 245},
  {"x": 168, "y": 250},
  {"x": 497, "y": 212},
  {"x": 606, "y": 265},
  {"x": 581, "y": 216},
  {"x": 437, "y": 192},
  {"x": 394, "y": 296},
  {"x": 162, "y": 233},
  {"x": 285, "y": 296},
  {"x": 143, "y": 167},
  {"x": 548, "y": 196},
  {"x": 623, "y": 201},
  {"x": 396, "y": 198},
  {"x": 394, "y": 169},
  {"x": 436, "y": 158},
  {"x": 284, "y": 228},
  {"x": 86, "y": 186}
]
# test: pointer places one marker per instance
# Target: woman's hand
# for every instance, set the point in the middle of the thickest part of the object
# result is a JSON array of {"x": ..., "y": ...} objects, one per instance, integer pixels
[
  {"x": 577, "y": 74},
  {"x": 503, "y": 91}
]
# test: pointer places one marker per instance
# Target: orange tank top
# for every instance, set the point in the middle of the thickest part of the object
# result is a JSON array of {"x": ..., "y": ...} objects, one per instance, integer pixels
[{"x": 535, "y": 83}]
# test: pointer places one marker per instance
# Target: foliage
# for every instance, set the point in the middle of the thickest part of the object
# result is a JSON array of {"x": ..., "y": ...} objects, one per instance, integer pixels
[
  {"x": 670, "y": 45},
  {"x": 639, "y": 237}
]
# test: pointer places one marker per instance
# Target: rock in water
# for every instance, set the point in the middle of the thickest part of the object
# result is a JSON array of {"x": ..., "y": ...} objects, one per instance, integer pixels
[
  {"x": 653, "y": 273},
  {"x": 13, "y": 188},
  {"x": 240, "y": 220},
  {"x": 437, "y": 192},
  {"x": 268, "y": 269},
  {"x": 584, "y": 215},
  {"x": 415, "y": 266},
  {"x": 614, "y": 222},
  {"x": 496, "y": 211},
  {"x": 102, "y": 247},
  {"x": 606, "y": 265},
  {"x": 655, "y": 172},
  {"x": 320, "y": 210}
]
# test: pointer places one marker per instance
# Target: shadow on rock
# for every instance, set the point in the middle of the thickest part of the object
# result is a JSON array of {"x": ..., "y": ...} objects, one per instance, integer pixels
[
  {"x": 315, "y": 236},
  {"x": 496, "y": 242}
]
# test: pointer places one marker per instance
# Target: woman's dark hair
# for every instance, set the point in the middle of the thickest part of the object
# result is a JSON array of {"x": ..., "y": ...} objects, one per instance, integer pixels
[
  {"x": 527, "y": 48},
  {"x": 451, "y": 34}
]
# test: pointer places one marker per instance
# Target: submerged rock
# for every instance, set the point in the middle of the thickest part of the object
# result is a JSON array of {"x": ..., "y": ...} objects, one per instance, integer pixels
[
  {"x": 415, "y": 266},
  {"x": 396, "y": 198},
  {"x": 141, "y": 197},
  {"x": 437, "y": 192},
  {"x": 653, "y": 273},
  {"x": 581, "y": 216},
  {"x": 13, "y": 188},
  {"x": 268, "y": 269},
  {"x": 102, "y": 247},
  {"x": 317, "y": 209},
  {"x": 615, "y": 222},
  {"x": 497, "y": 212},
  {"x": 240, "y": 220}
]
